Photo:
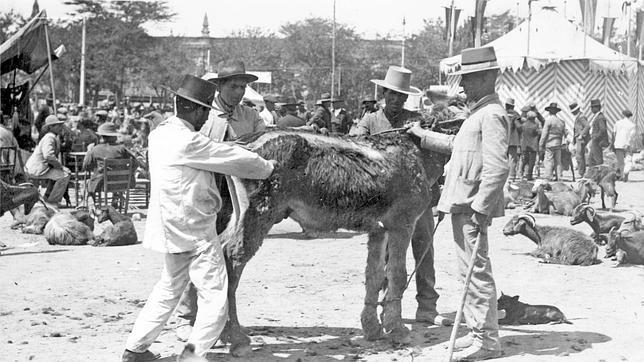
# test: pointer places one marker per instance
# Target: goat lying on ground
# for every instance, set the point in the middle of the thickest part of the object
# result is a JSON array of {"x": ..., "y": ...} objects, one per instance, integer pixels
[
  {"x": 12, "y": 197},
  {"x": 556, "y": 245},
  {"x": 605, "y": 176},
  {"x": 521, "y": 313},
  {"x": 600, "y": 223},
  {"x": 121, "y": 232},
  {"x": 377, "y": 184},
  {"x": 64, "y": 229},
  {"x": 627, "y": 246},
  {"x": 563, "y": 201}
]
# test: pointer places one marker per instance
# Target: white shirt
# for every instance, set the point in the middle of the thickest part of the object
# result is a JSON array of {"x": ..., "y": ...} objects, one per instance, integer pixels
[
  {"x": 269, "y": 117},
  {"x": 624, "y": 132},
  {"x": 184, "y": 199}
]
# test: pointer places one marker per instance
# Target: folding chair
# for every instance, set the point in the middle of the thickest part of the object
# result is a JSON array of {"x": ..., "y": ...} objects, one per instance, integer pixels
[{"x": 117, "y": 179}]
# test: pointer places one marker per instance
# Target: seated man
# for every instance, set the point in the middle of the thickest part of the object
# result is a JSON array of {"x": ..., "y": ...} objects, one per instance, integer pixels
[
  {"x": 44, "y": 163},
  {"x": 107, "y": 148}
]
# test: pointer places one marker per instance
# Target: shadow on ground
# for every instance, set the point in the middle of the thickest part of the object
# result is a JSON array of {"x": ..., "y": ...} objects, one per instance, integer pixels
[{"x": 549, "y": 343}]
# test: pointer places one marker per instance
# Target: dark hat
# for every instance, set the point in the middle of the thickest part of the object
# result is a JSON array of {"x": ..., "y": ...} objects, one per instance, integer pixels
[
  {"x": 369, "y": 99},
  {"x": 196, "y": 90},
  {"x": 574, "y": 107},
  {"x": 325, "y": 97},
  {"x": 301, "y": 102},
  {"x": 233, "y": 69},
  {"x": 595, "y": 103},
  {"x": 554, "y": 107},
  {"x": 107, "y": 129},
  {"x": 290, "y": 101},
  {"x": 627, "y": 113},
  {"x": 477, "y": 59}
]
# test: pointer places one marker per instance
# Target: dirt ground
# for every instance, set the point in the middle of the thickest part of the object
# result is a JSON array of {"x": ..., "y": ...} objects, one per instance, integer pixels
[{"x": 301, "y": 299}]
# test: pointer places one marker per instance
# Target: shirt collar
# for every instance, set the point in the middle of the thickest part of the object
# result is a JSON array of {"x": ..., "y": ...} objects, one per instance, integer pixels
[
  {"x": 488, "y": 99},
  {"x": 176, "y": 120}
]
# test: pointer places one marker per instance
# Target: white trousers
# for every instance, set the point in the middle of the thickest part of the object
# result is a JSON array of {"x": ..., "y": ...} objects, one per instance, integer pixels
[{"x": 207, "y": 271}]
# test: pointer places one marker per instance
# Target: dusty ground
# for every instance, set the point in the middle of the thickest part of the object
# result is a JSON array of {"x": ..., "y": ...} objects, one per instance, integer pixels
[{"x": 301, "y": 299}]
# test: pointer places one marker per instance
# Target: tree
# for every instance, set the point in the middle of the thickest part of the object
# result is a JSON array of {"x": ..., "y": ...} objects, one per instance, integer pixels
[{"x": 10, "y": 23}]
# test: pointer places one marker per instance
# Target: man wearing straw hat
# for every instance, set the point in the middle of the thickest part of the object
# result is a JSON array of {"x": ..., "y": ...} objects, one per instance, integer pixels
[
  {"x": 473, "y": 194},
  {"x": 228, "y": 120},
  {"x": 580, "y": 137},
  {"x": 44, "y": 163},
  {"x": 184, "y": 202},
  {"x": 396, "y": 89}
]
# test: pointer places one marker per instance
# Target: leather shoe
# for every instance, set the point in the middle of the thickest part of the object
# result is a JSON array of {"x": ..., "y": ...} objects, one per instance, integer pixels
[
  {"x": 129, "y": 356},
  {"x": 433, "y": 317},
  {"x": 476, "y": 353}
]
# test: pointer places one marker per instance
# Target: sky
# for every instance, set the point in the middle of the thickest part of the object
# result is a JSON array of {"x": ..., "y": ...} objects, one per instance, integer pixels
[{"x": 368, "y": 17}]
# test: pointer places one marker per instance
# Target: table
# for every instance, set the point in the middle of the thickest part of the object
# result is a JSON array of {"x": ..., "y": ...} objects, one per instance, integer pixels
[{"x": 78, "y": 158}]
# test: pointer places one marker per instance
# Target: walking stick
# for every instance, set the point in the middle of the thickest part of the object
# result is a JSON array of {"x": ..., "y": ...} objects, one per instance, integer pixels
[{"x": 459, "y": 312}]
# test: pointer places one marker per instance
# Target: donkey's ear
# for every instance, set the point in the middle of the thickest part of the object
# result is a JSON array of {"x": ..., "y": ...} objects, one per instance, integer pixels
[{"x": 516, "y": 298}]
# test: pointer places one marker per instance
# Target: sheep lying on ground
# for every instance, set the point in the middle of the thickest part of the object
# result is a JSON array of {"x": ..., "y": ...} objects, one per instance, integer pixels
[
  {"x": 64, "y": 229},
  {"x": 121, "y": 232},
  {"x": 627, "y": 246},
  {"x": 556, "y": 245}
]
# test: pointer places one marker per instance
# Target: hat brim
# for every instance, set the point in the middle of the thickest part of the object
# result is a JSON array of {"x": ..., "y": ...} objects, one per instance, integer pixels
[
  {"x": 469, "y": 71},
  {"x": 54, "y": 123},
  {"x": 191, "y": 99},
  {"x": 553, "y": 108},
  {"x": 113, "y": 134},
  {"x": 573, "y": 110},
  {"x": 384, "y": 84},
  {"x": 249, "y": 78}
]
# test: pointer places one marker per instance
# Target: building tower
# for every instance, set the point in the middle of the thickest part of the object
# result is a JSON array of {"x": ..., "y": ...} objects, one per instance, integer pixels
[{"x": 205, "y": 29}]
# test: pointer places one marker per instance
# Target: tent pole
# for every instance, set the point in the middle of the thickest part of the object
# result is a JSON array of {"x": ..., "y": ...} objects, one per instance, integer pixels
[
  {"x": 81, "y": 97},
  {"x": 51, "y": 69},
  {"x": 38, "y": 79}
]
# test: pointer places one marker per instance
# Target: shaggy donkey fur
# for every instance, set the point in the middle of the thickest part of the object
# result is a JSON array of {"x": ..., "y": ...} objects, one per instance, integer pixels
[
  {"x": 556, "y": 245},
  {"x": 121, "y": 232},
  {"x": 35, "y": 222},
  {"x": 376, "y": 184},
  {"x": 64, "y": 229}
]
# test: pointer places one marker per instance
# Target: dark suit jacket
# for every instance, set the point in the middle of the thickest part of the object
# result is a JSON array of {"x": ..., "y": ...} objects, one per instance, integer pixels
[{"x": 598, "y": 130}]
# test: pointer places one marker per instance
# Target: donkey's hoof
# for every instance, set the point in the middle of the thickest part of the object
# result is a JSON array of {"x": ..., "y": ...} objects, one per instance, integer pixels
[
  {"x": 400, "y": 336},
  {"x": 240, "y": 350},
  {"x": 371, "y": 327}
]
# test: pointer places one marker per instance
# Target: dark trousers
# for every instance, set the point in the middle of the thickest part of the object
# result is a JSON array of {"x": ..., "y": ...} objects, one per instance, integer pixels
[
  {"x": 595, "y": 153},
  {"x": 514, "y": 155},
  {"x": 529, "y": 158},
  {"x": 580, "y": 156}
]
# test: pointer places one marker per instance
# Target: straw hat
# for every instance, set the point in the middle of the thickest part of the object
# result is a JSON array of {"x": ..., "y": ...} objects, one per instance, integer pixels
[
  {"x": 477, "y": 60},
  {"x": 397, "y": 79},
  {"x": 574, "y": 107},
  {"x": 107, "y": 129},
  {"x": 52, "y": 120},
  {"x": 196, "y": 90},
  {"x": 231, "y": 69}
]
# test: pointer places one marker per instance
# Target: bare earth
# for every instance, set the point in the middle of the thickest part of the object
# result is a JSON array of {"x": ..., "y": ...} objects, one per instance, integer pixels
[{"x": 301, "y": 299}]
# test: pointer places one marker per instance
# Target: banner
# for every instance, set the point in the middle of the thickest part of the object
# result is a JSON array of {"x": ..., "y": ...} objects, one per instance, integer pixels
[
  {"x": 479, "y": 20},
  {"x": 588, "y": 12},
  {"x": 607, "y": 30},
  {"x": 639, "y": 27},
  {"x": 448, "y": 21}
]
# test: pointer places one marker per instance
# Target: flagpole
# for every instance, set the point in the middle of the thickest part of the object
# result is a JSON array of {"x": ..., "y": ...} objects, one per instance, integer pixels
[
  {"x": 402, "y": 61},
  {"x": 529, "y": 25},
  {"x": 81, "y": 98},
  {"x": 51, "y": 68},
  {"x": 333, "y": 55},
  {"x": 628, "y": 32},
  {"x": 451, "y": 31}
]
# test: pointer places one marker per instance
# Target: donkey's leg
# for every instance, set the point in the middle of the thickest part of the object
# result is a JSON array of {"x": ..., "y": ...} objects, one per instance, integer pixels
[
  {"x": 398, "y": 241},
  {"x": 239, "y": 341},
  {"x": 374, "y": 275}
]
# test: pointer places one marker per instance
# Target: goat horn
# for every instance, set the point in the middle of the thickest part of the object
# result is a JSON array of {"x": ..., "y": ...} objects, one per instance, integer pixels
[{"x": 529, "y": 218}]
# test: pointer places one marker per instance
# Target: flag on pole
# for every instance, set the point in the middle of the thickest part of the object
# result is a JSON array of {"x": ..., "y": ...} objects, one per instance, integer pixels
[
  {"x": 448, "y": 22},
  {"x": 607, "y": 30},
  {"x": 588, "y": 12},
  {"x": 479, "y": 11},
  {"x": 639, "y": 27}
]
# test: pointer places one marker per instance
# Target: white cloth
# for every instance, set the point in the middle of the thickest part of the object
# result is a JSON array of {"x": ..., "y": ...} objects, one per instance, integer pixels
[
  {"x": 207, "y": 271},
  {"x": 269, "y": 117},
  {"x": 624, "y": 132},
  {"x": 184, "y": 199}
]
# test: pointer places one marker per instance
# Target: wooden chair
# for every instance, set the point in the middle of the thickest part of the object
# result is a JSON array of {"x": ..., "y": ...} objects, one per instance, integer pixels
[
  {"x": 145, "y": 182},
  {"x": 8, "y": 157},
  {"x": 117, "y": 179}
]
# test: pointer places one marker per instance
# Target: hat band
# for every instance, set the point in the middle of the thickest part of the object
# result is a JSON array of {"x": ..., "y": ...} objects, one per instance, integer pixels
[{"x": 477, "y": 66}]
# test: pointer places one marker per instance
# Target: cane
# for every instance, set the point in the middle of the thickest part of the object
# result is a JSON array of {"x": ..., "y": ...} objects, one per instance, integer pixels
[{"x": 459, "y": 312}]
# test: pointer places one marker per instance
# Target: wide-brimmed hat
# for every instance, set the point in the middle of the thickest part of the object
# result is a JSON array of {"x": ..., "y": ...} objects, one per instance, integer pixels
[
  {"x": 325, "y": 97},
  {"x": 270, "y": 98},
  {"x": 477, "y": 60},
  {"x": 101, "y": 112},
  {"x": 52, "y": 120},
  {"x": 397, "y": 79},
  {"x": 554, "y": 107},
  {"x": 196, "y": 90},
  {"x": 509, "y": 102},
  {"x": 574, "y": 107},
  {"x": 595, "y": 103},
  {"x": 107, "y": 129},
  {"x": 233, "y": 69},
  {"x": 290, "y": 101}
]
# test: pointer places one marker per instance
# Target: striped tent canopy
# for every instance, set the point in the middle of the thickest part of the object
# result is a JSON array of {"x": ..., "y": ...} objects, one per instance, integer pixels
[{"x": 562, "y": 65}]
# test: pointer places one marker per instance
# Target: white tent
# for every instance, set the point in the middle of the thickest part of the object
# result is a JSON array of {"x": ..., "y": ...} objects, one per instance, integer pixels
[{"x": 550, "y": 59}]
